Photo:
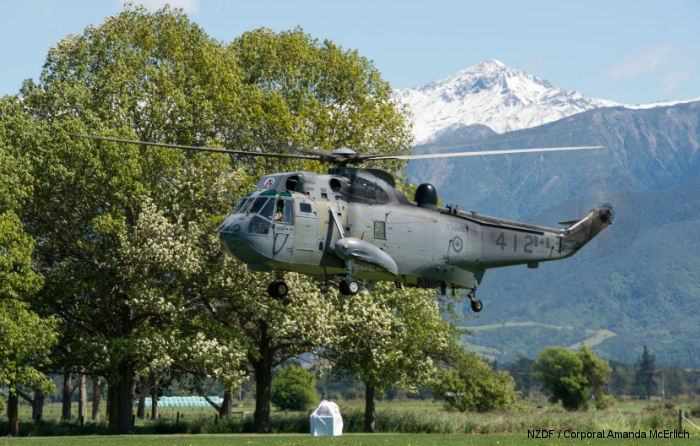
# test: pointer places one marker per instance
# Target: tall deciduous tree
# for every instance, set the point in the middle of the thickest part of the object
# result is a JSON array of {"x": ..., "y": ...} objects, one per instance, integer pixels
[
  {"x": 123, "y": 227},
  {"x": 311, "y": 93},
  {"x": 388, "y": 338},
  {"x": 25, "y": 337}
]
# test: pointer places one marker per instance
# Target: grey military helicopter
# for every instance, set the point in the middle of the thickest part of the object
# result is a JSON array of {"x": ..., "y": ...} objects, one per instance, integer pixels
[{"x": 354, "y": 225}]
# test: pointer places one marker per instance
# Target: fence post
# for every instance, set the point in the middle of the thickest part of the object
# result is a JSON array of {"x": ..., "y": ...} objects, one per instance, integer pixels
[{"x": 680, "y": 420}]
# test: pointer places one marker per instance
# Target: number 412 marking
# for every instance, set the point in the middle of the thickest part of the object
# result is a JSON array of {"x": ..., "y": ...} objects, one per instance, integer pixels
[{"x": 529, "y": 241}]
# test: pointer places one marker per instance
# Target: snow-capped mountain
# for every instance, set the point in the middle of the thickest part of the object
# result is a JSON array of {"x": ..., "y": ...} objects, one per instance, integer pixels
[{"x": 492, "y": 94}]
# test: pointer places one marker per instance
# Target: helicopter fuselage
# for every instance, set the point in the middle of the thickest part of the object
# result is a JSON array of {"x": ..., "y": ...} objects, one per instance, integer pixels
[{"x": 355, "y": 223}]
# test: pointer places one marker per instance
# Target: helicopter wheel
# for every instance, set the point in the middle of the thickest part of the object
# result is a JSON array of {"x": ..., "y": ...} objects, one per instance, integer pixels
[
  {"x": 477, "y": 305},
  {"x": 349, "y": 287},
  {"x": 277, "y": 289}
]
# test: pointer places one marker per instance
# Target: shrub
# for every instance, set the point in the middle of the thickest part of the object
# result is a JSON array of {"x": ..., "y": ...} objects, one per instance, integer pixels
[
  {"x": 471, "y": 384},
  {"x": 571, "y": 377},
  {"x": 293, "y": 388}
]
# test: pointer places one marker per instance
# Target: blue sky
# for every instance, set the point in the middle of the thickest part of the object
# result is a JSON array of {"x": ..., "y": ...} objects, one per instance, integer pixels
[{"x": 626, "y": 51}]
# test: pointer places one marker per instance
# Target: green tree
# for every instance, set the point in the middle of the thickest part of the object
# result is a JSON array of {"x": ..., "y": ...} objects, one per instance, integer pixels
[
  {"x": 523, "y": 374},
  {"x": 293, "y": 388},
  {"x": 469, "y": 383},
  {"x": 25, "y": 337},
  {"x": 388, "y": 338},
  {"x": 134, "y": 221},
  {"x": 645, "y": 375},
  {"x": 25, "y": 345},
  {"x": 124, "y": 228},
  {"x": 622, "y": 378},
  {"x": 572, "y": 377},
  {"x": 314, "y": 94}
]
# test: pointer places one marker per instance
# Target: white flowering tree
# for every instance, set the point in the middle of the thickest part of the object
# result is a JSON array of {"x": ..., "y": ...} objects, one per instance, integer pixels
[
  {"x": 388, "y": 338},
  {"x": 274, "y": 330}
]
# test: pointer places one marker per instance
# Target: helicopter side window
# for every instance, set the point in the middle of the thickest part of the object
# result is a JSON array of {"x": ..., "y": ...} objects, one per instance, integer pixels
[
  {"x": 380, "y": 230},
  {"x": 283, "y": 212},
  {"x": 365, "y": 191},
  {"x": 305, "y": 207},
  {"x": 268, "y": 209}
]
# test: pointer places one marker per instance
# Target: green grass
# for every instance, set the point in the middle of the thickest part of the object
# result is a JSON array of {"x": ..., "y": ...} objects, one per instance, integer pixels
[
  {"x": 351, "y": 439},
  {"x": 413, "y": 419}
]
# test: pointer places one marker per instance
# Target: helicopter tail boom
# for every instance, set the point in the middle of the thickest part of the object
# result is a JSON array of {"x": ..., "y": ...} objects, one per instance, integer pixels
[{"x": 583, "y": 231}]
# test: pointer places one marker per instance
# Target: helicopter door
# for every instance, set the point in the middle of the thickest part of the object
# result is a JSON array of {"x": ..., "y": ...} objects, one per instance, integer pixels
[
  {"x": 283, "y": 230},
  {"x": 305, "y": 226}
]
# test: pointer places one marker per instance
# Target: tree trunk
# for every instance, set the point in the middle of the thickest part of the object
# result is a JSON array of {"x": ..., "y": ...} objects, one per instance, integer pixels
[
  {"x": 38, "y": 406},
  {"x": 370, "y": 415},
  {"x": 227, "y": 404},
  {"x": 154, "y": 395},
  {"x": 262, "y": 367},
  {"x": 96, "y": 397},
  {"x": 111, "y": 406},
  {"x": 124, "y": 403},
  {"x": 67, "y": 395},
  {"x": 13, "y": 411},
  {"x": 141, "y": 411},
  {"x": 82, "y": 396}
]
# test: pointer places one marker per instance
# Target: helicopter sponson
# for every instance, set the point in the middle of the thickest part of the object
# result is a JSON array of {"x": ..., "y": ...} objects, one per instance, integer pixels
[{"x": 353, "y": 224}]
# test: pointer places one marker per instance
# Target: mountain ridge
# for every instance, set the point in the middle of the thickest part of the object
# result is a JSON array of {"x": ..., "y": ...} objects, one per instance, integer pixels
[{"x": 497, "y": 96}]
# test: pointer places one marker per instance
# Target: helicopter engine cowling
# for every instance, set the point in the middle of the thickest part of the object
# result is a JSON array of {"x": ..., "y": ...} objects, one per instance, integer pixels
[{"x": 350, "y": 248}]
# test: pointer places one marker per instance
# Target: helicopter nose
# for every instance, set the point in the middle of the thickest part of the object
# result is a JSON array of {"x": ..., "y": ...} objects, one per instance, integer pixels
[
  {"x": 237, "y": 240},
  {"x": 232, "y": 225}
]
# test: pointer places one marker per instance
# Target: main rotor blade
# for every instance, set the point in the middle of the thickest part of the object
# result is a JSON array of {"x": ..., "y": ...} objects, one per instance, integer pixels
[
  {"x": 197, "y": 148},
  {"x": 479, "y": 153}
]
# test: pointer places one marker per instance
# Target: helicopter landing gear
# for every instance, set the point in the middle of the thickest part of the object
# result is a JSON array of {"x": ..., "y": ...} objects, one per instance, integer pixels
[
  {"x": 349, "y": 287},
  {"x": 277, "y": 289},
  {"x": 477, "y": 305}
]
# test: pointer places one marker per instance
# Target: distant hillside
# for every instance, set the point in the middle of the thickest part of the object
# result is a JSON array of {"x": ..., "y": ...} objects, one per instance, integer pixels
[{"x": 648, "y": 294}]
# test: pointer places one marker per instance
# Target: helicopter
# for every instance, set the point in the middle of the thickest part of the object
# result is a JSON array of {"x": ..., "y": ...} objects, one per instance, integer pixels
[{"x": 354, "y": 225}]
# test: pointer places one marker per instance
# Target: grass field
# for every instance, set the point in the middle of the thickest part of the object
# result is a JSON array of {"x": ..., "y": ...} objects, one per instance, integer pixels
[
  {"x": 421, "y": 423},
  {"x": 351, "y": 439}
]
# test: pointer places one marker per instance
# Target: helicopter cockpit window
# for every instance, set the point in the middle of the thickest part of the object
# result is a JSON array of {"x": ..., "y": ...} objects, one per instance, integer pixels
[
  {"x": 268, "y": 209},
  {"x": 257, "y": 205},
  {"x": 239, "y": 205}
]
